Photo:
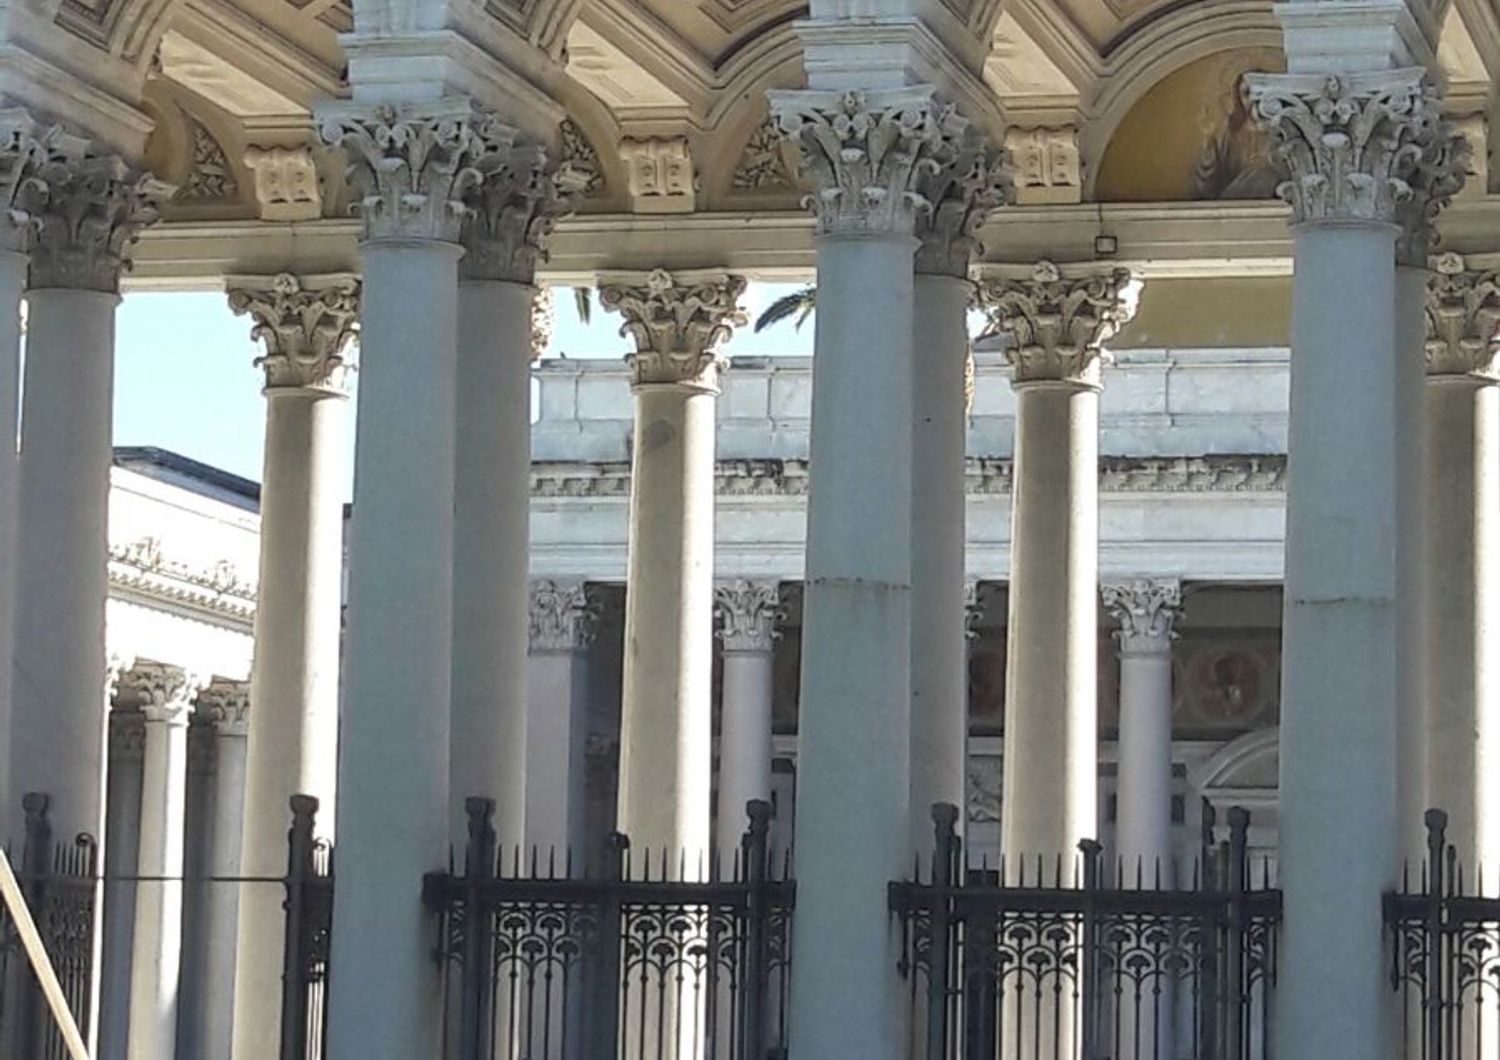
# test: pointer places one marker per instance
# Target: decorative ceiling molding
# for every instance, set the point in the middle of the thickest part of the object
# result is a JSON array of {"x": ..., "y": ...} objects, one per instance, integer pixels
[
  {"x": 210, "y": 177},
  {"x": 763, "y": 165}
]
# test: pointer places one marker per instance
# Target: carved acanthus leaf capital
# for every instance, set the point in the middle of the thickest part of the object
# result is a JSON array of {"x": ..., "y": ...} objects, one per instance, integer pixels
[
  {"x": 1437, "y": 176},
  {"x": 1463, "y": 317},
  {"x": 1059, "y": 319},
  {"x": 964, "y": 185},
  {"x": 305, "y": 322},
  {"x": 88, "y": 210},
  {"x": 165, "y": 693},
  {"x": 563, "y": 617},
  {"x": 513, "y": 209},
  {"x": 1351, "y": 143},
  {"x": 225, "y": 705},
  {"x": 866, "y": 152},
  {"x": 677, "y": 322},
  {"x": 1145, "y": 610},
  {"x": 411, "y": 167},
  {"x": 748, "y": 613}
]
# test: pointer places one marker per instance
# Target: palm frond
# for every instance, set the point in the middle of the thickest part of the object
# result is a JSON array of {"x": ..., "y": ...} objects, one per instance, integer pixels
[
  {"x": 798, "y": 304},
  {"x": 583, "y": 303}
]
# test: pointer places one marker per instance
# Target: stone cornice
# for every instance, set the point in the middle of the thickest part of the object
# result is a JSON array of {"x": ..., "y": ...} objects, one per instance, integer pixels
[
  {"x": 141, "y": 569},
  {"x": 865, "y": 153},
  {"x": 306, "y": 322},
  {"x": 1463, "y": 317},
  {"x": 1351, "y": 142},
  {"x": 982, "y": 477},
  {"x": 677, "y": 322},
  {"x": 1144, "y": 610},
  {"x": 1058, "y": 319},
  {"x": 747, "y": 612}
]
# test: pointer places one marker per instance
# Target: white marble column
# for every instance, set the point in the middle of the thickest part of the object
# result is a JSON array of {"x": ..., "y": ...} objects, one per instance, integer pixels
[
  {"x": 409, "y": 169},
  {"x": 1145, "y": 611},
  {"x": 969, "y": 186},
  {"x": 514, "y": 210},
  {"x": 166, "y": 695},
  {"x": 88, "y": 216},
  {"x": 122, "y": 840},
  {"x": 863, "y": 152},
  {"x": 1345, "y": 141},
  {"x": 748, "y": 612},
  {"x": 305, "y": 322},
  {"x": 1461, "y": 568},
  {"x": 561, "y": 628},
  {"x": 666, "y": 731},
  {"x": 1058, "y": 319},
  {"x": 226, "y": 706}
]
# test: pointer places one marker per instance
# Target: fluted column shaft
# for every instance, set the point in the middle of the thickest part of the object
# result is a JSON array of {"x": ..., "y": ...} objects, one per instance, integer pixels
[
  {"x": 167, "y": 694},
  {"x": 226, "y": 706},
  {"x": 514, "y": 209},
  {"x": 562, "y": 623},
  {"x": 1058, "y": 319},
  {"x": 394, "y": 739},
  {"x": 747, "y": 635},
  {"x": 1344, "y": 140},
  {"x": 666, "y": 733},
  {"x": 1461, "y": 571},
  {"x": 292, "y": 743}
]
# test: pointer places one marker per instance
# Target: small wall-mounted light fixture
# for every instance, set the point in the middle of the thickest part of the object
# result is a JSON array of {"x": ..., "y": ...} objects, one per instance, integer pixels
[{"x": 1106, "y": 246}]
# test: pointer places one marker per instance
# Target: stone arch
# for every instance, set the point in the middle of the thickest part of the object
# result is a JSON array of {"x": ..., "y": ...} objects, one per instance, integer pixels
[
  {"x": 739, "y": 120},
  {"x": 1244, "y": 772}
]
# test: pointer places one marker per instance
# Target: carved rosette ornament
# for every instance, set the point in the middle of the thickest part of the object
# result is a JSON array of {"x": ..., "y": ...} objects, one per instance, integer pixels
[
  {"x": 225, "y": 705},
  {"x": 411, "y": 167},
  {"x": 514, "y": 207},
  {"x": 563, "y": 618},
  {"x": 1145, "y": 610},
  {"x": 965, "y": 183},
  {"x": 867, "y": 152},
  {"x": 305, "y": 323},
  {"x": 1351, "y": 143},
  {"x": 1058, "y": 321},
  {"x": 1463, "y": 317},
  {"x": 677, "y": 322},
  {"x": 165, "y": 692},
  {"x": 748, "y": 613},
  {"x": 88, "y": 211}
]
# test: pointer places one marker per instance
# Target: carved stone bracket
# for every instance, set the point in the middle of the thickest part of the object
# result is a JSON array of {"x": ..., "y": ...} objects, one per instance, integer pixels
[
  {"x": 662, "y": 176},
  {"x": 305, "y": 322},
  {"x": 748, "y": 613},
  {"x": 563, "y": 618},
  {"x": 1351, "y": 143},
  {"x": 88, "y": 210},
  {"x": 411, "y": 167},
  {"x": 966, "y": 183},
  {"x": 513, "y": 209},
  {"x": 677, "y": 321},
  {"x": 1059, "y": 318},
  {"x": 225, "y": 705},
  {"x": 286, "y": 183},
  {"x": 1463, "y": 318},
  {"x": 865, "y": 152},
  {"x": 1145, "y": 610},
  {"x": 1047, "y": 167}
]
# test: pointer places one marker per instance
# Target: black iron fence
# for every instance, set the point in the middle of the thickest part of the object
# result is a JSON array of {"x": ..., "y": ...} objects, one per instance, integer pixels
[
  {"x": 309, "y": 936},
  {"x": 1446, "y": 955},
  {"x": 1047, "y": 961},
  {"x": 632, "y": 957}
]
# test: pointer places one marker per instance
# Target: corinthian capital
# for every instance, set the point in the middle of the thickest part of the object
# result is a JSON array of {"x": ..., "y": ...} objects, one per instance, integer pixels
[
  {"x": 963, "y": 186},
  {"x": 1059, "y": 318},
  {"x": 563, "y": 618},
  {"x": 514, "y": 208},
  {"x": 1463, "y": 315},
  {"x": 1350, "y": 143},
  {"x": 677, "y": 321},
  {"x": 305, "y": 323},
  {"x": 1145, "y": 610},
  {"x": 226, "y": 706},
  {"x": 866, "y": 152},
  {"x": 411, "y": 166},
  {"x": 747, "y": 615},
  {"x": 88, "y": 210},
  {"x": 24, "y": 148},
  {"x": 165, "y": 692},
  {"x": 1437, "y": 175}
]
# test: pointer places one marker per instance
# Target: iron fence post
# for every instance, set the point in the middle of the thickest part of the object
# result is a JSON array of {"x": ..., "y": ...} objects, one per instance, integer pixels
[
  {"x": 757, "y": 912},
  {"x": 36, "y": 862},
  {"x": 940, "y": 924},
  {"x": 1213, "y": 918},
  {"x": 1437, "y": 884},
  {"x": 477, "y": 1011},
  {"x": 1092, "y": 852},
  {"x": 1234, "y": 957},
  {"x": 603, "y": 1019},
  {"x": 299, "y": 870}
]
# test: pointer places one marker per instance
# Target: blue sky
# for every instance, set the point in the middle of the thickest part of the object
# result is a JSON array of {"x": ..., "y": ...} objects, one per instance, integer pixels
[{"x": 185, "y": 378}]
